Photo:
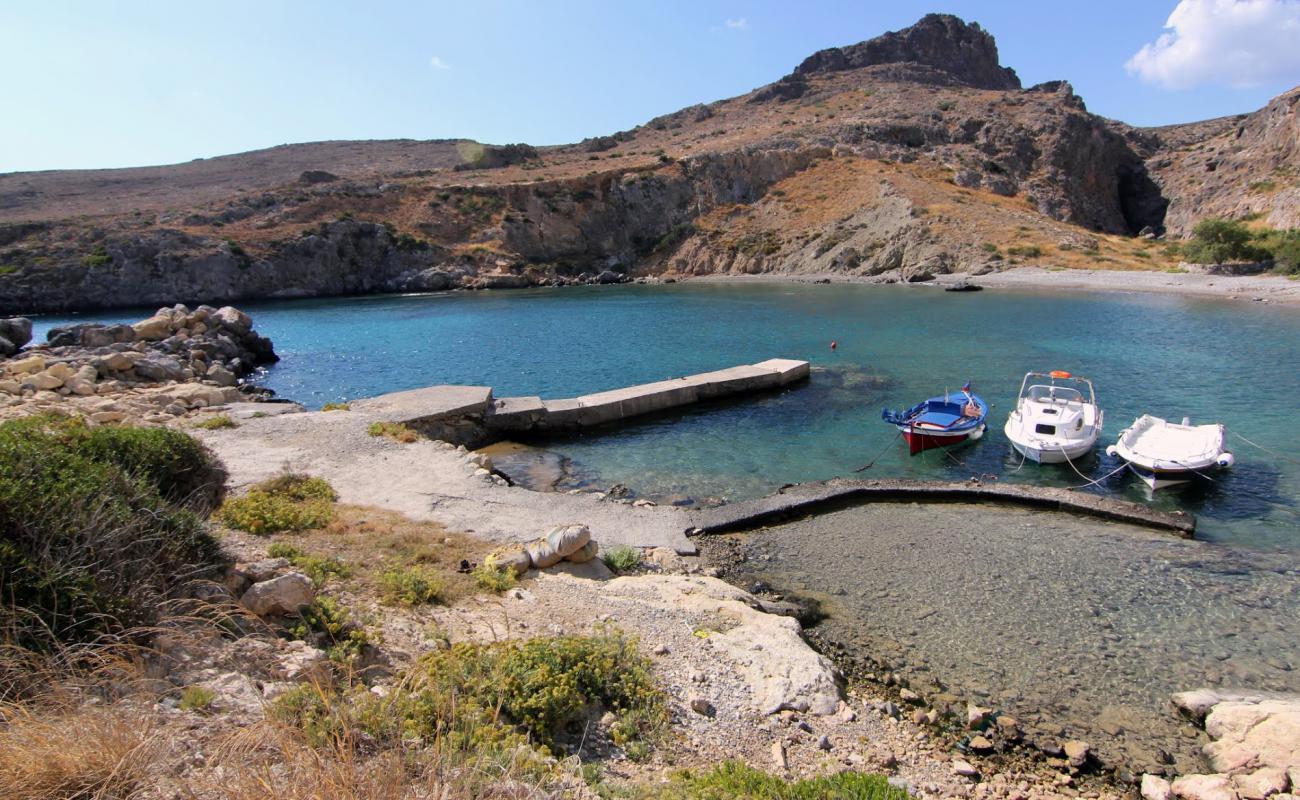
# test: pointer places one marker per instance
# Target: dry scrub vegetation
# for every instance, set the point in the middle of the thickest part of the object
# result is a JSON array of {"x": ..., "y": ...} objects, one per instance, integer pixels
[{"x": 128, "y": 669}]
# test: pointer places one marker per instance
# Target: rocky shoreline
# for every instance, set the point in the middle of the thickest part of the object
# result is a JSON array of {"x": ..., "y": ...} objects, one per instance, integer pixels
[
  {"x": 155, "y": 371},
  {"x": 938, "y": 749}
]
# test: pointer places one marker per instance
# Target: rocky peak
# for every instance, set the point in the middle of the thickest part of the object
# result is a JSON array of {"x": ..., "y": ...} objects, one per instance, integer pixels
[{"x": 962, "y": 49}]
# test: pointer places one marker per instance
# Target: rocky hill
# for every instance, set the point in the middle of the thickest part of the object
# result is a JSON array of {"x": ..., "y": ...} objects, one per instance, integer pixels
[{"x": 912, "y": 154}]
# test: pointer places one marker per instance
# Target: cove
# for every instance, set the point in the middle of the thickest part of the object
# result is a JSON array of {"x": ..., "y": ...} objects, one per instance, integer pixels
[{"x": 1208, "y": 359}]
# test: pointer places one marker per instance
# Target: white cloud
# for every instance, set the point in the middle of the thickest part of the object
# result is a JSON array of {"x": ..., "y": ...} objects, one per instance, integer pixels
[
  {"x": 438, "y": 63},
  {"x": 1234, "y": 42},
  {"x": 737, "y": 24}
]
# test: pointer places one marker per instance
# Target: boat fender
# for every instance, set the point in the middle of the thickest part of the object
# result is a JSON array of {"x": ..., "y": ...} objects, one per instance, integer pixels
[
  {"x": 834, "y": 344},
  {"x": 1226, "y": 460},
  {"x": 977, "y": 433},
  {"x": 1111, "y": 451}
]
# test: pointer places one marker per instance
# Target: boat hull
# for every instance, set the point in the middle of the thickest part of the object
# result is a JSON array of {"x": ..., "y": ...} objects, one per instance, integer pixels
[
  {"x": 1161, "y": 479},
  {"x": 1050, "y": 455},
  {"x": 919, "y": 440}
]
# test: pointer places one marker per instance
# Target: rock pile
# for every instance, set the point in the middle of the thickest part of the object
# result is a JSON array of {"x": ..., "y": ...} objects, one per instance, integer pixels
[
  {"x": 1255, "y": 752},
  {"x": 268, "y": 588},
  {"x": 210, "y": 349}
]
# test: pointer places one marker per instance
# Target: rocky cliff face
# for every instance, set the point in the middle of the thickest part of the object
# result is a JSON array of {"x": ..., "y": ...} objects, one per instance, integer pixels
[
  {"x": 938, "y": 159},
  {"x": 962, "y": 50},
  {"x": 1235, "y": 167}
]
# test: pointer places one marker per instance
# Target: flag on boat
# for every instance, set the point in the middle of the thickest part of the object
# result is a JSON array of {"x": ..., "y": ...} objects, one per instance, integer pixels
[{"x": 965, "y": 387}]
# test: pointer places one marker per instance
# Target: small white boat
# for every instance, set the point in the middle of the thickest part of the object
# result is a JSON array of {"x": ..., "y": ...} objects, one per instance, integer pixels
[
  {"x": 1054, "y": 421},
  {"x": 1164, "y": 453}
]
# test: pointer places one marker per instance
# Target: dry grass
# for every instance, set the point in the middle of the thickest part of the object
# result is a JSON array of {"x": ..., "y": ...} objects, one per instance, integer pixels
[
  {"x": 271, "y": 759},
  {"x": 372, "y": 541},
  {"x": 83, "y": 752}
]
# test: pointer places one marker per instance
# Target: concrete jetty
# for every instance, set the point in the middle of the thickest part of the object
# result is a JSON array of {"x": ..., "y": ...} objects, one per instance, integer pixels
[
  {"x": 471, "y": 416},
  {"x": 811, "y": 498}
]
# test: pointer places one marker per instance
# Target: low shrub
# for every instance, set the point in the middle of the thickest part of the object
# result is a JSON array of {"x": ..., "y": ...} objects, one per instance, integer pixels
[
  {"x": 196, "y": 698},
  {"x": 1026, "y": 251},
  {"x": 98, "y": 257},
  {"x": 217, "y": 422},
  {"x": 622, "y": 558},
  {"x": 494, "y": 579},
  {"x": 412, "y": 585},
  {"x": 539, "y": 686},
  {"x": 336, "y": 407},
  {"x": 319, "y": 568},
  {"x": 328, "y": 625},
  {"x": 98, "y": 527},
  {"x": 393, "y": 430},
  {"x": 288, "y": 502},
  {"x": 732, "y": 780}
]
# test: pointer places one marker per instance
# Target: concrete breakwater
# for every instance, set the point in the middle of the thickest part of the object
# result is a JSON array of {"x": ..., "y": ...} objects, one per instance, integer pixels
[
  {"x": 471, "y": 416},
  {"x": 805, "y": 499}
]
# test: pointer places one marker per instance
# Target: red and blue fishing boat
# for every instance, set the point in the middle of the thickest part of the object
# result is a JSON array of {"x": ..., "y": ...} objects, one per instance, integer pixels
[{"x": 941, "y": 421}]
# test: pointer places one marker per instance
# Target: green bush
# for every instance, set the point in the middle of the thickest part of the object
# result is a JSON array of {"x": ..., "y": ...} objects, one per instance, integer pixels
[
  {"x": 319, "y": 568},
  {"x": 98, "y": 257},
  {"x": 1026, "y": 251},
  {"x": 329, "y": 626},
  {"x": 494, "y": 579},
  {"x": 217, "y": 422},
  {"x": 1284, "y": 247},
  {"x": 1221, "y": 241},
  {"x": 622, "y": 558},
  {"x": 98, "y": 527},
  {"x": 393, "y": 430},
  {"x": 410, "y": 586},
  {"x": 336, "y": 407},
  {"x": 285, "y": 503},
  {"x": 541, "y": 685},
  {"x": 196, "y": 698},
  {"x": 732, "y": 780}
]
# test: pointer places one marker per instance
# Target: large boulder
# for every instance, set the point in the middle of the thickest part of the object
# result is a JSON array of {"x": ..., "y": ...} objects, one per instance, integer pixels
[
  {"x": 279, "y": 596},
  {"x": 782, "y": 672},
  {"x": 14, "y": 333},
  {"x": 153, "y": 329}
]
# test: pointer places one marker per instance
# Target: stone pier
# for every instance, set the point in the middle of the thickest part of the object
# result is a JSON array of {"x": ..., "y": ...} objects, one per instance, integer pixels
[{"x": 470, "y": 415}]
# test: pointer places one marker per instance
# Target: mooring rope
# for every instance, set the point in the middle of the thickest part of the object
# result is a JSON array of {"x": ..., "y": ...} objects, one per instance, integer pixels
[
  {"x": 1265, "y": 449},
  {"x": 867, "y": 465}
]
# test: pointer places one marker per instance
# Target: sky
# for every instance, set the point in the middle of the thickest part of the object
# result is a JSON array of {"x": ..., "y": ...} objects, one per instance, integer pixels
[{"x": 90, "y": 84}]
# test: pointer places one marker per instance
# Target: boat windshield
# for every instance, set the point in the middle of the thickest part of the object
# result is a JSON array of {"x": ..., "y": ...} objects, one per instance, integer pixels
[{"x": 1058, "y": 393}]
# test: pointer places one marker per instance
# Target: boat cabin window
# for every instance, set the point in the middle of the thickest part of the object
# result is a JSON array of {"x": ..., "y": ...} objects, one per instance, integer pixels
[
  {"x": 1048, "y": 429},
  {"x": 1059, "y": 393}
]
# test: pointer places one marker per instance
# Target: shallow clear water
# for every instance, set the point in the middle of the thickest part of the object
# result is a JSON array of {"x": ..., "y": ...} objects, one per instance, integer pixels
[{"x": 1212, "y": 360}]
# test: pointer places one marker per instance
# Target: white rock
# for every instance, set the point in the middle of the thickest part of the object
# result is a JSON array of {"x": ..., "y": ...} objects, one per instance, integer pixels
[
  {"x": 283, "y": 595},
  {"x": 1261, "y": 783},
  {"x": 1155, "y": 787},
  {"x": 976, "y": 716},
  {"x": 61, "y": 371},
  {"x": 301, "y": 661},
  {"x": 964, "y": 768},
  {"x": 785, "y": 674},
  {"x": 779, "y": 761},
  {"x": 1203, "y": 787},
  {"x": 1077, "y": 752}
]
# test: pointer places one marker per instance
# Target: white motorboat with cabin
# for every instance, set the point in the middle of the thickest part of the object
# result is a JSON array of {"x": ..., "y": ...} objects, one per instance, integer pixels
[
  {"x": 1056, "y": 418},
  {"x": 1164, "y": 453}
]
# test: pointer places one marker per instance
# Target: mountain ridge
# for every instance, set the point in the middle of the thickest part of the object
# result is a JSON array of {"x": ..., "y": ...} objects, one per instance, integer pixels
[{"x": 944, "y": 164}]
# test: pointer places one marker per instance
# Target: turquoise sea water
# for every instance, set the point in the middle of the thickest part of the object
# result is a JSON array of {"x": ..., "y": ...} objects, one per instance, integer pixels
[{"x": 1212, "y": 360}]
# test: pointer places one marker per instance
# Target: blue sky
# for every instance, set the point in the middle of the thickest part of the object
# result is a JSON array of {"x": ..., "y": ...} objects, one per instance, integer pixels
[{"x": 108, "y": 84}]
